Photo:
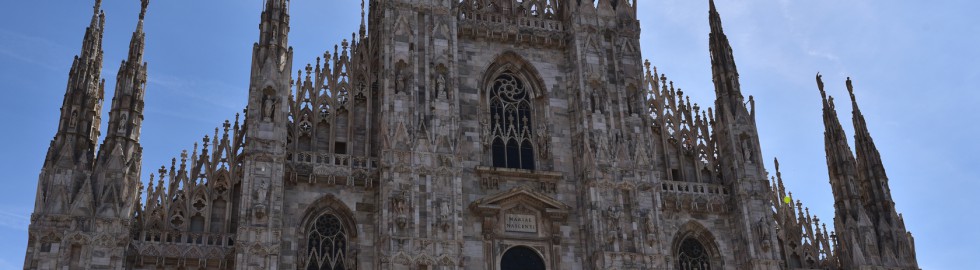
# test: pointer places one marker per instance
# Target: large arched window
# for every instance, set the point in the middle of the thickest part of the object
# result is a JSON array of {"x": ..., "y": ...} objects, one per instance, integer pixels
[
  {"x": 521, "y": 258},
  {"x": 693, "y": 256},
  {"x": 510, "y": 123},
  {"x": 327, "y": 247}
]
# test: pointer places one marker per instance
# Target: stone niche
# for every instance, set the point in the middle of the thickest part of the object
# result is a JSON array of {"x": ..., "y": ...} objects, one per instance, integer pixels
[{"x": 521, "y": 217}]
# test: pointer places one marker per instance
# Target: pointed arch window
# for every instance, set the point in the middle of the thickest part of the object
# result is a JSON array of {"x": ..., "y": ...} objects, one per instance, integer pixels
[
  {"x": 327, "y": 246},
  {"x": 693, "y": 256},
  {"x": 511, "y": 126}
]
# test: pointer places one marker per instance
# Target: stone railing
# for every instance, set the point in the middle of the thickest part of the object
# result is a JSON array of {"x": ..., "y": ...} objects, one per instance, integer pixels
[
  {"x": 317, "y": 158},
  {"x": 527, "y": 30},
  {"x": 692, "y": 188},
  {"x": 694, "y": 197},
  {"x": 187, "y": 238},
  {"x": 521, "y": 21}
]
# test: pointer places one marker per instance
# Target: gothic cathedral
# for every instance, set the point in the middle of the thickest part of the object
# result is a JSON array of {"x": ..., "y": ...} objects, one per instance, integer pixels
[{"x": 454, "y": 134}]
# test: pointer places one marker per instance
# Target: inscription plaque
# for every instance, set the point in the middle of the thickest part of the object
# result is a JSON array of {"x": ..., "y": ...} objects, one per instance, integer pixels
[{"x": 521, "y": 223}]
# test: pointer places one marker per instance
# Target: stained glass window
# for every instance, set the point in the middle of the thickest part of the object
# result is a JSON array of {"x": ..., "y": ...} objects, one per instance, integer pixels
[
  {"x": 510, "y": 120},
  {"x": 693, "y": 256},
  {"x": 327, "y": 246}
]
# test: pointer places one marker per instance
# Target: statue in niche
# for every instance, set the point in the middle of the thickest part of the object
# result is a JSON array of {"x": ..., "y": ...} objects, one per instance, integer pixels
[
  {"x": 444, "y": 209},
  {"x": 762, "y": 230},
  {"x": 651, "y": 227},
  {"x": 399, "y": 203},
  {"x": 261, "y": 190},
  {"x": 268, "y": 107},
  {"x": 444, "y": 215},
  {"x": 401, "y": 81},
  {"x": 122, "y": 123},
  {"x": 441, "y": 89},
  {"x": 543, "y": 142},
  {"x": 74, "y": 119},
  {"x": 487, "y": 137},
  {"x": 747, "y": 150}
]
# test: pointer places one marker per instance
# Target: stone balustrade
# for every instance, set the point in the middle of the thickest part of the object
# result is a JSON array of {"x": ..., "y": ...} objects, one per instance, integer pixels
[
  {"x": 319, "y": 158},
  {"x": 693, "y": 188}
]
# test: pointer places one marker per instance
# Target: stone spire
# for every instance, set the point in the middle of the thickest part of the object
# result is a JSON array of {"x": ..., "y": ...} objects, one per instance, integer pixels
[
  {"x": 363, "y": 28},
  {"x": 740, "y": 161},
  {"x": 870, "y": 168},
  {"x": 265, "y": 136},
  {"x": 81, "y": 112},
  {"x": 120, "y": 153},
  {"x": 855, "y": 232},
  {"x": 895, "y": 244},
  {"x": 275, "y": 23},
  {"x": 723, "y": 69},
  {"x": 840, "y": 161}
]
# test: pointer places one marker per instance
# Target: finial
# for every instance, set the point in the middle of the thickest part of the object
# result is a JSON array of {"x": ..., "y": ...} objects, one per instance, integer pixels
[
  {"x": 363, "y": 29},
  {"x": 850, "y": 90},
  {"x": 820, "y": 85},
  {"x": 145, "y": 3}
]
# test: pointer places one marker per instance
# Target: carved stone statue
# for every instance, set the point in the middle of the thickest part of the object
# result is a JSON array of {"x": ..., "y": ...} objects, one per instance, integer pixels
[
  {"x": 441, "y": 88},
  {"x": 122, "y": 123},
  {"x": 747, "y": 150},
  {"x": 262, "y": 190},
  {"x": 268, "y": 107},
  {"x": 74, "y": 119}
]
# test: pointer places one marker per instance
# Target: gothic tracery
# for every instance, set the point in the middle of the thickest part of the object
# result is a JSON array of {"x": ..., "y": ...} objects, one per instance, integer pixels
[
  {"x": 511, "y": 123},
  {"x": 327, "y": 245}
]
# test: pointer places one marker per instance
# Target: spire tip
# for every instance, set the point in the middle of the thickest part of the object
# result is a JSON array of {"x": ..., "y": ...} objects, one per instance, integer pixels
[
  {"x": 823, "y": 94},
  {"x": 144, "y": 4}
]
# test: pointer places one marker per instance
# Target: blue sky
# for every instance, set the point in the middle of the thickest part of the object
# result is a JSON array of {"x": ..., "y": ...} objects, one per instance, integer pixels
[{"x": 913, "y": 62}]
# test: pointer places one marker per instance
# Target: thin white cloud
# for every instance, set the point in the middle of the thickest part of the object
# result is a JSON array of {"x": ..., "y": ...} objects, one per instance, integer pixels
[
  {"x": 29, "y": 49},
  {"x": 15, "y": 219}
]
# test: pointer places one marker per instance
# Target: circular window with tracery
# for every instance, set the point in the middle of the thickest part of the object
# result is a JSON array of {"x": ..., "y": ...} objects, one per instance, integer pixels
[{"x": 327, "y": 245}]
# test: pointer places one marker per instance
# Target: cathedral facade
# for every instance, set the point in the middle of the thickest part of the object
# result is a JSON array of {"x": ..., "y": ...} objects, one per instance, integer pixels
[{"x": 454, "y": 134}]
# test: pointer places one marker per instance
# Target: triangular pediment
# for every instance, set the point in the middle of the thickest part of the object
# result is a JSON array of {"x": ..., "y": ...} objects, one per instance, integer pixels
[{"x": 492, "y": 204}]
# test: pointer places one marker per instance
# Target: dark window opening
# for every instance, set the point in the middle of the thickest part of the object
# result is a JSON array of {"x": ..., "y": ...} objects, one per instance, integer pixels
[
  {"x": 521, "y": 258},
  {"x": 340, "y": 148}
]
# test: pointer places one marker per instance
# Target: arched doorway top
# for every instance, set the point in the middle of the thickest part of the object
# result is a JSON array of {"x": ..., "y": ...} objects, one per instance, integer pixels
[{"x": 522, "y": 258}]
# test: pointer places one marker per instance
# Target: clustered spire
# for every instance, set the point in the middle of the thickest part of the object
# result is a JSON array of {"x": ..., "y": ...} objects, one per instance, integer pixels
[
  {"x": 95, "y": 187},
  {"x": 870, "y": 231}
]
